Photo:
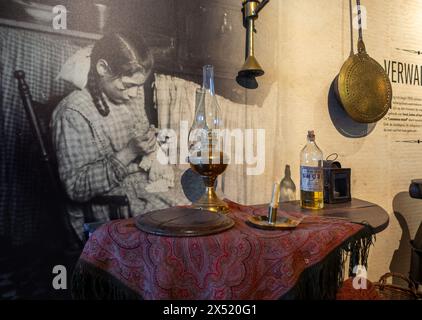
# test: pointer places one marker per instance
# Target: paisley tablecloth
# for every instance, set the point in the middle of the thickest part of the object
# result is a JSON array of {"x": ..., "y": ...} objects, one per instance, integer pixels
[{"x": 121, "y": 262}]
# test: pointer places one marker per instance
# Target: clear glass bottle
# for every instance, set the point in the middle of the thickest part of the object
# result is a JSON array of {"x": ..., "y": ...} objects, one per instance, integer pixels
[
  {"x": 287, "y": 187},
  {"x": 311, "y": 175}
]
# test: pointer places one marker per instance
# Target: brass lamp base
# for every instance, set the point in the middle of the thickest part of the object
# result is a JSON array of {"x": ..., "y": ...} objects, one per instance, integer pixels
[
  {"x": 210, "y": 201},
  {"x": 209, "y": 170}
]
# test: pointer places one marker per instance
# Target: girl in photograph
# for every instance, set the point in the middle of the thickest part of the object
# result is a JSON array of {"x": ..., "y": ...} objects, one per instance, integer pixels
[{"x": 102, "y": 133}]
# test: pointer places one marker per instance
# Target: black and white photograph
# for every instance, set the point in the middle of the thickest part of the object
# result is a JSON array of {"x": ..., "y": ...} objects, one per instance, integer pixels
[{"x": 222, "y": 151}]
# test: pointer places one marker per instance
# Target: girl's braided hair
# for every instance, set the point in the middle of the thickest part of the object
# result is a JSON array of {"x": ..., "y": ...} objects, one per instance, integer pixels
[{"x": 123, "y": 58}]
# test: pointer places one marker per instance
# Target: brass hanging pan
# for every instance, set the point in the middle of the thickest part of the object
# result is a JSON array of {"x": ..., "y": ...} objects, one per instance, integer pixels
[{"x": 363, "y": 86}]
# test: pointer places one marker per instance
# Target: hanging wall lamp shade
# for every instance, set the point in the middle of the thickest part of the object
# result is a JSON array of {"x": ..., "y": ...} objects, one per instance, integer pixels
[{"x": 251, "y": 68}]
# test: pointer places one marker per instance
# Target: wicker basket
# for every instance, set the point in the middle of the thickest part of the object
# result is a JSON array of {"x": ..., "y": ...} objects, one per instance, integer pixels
[{"x": 394, "y": 292}]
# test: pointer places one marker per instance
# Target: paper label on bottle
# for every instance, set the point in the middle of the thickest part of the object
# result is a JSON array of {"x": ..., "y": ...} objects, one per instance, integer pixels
[{"x": 311, "y": 179}]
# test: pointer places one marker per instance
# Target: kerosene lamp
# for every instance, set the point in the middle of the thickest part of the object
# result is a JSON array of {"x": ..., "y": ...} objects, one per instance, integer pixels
[{"x": 206, "y": 156}]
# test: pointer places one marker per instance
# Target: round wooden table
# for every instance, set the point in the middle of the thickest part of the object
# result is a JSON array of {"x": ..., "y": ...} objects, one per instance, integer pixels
[{"x": 357, "y": 210}]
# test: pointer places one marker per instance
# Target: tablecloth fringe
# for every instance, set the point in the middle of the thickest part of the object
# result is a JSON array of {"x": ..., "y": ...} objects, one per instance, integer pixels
[
  {"x": 90, "y": 283},
  {"x": 327, "y": 276}
]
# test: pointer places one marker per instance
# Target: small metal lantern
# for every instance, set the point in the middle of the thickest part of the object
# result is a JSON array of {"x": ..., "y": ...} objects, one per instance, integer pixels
[{"x": 336, "y": 183}]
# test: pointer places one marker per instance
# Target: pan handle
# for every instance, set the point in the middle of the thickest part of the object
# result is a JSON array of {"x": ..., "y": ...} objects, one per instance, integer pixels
[
  {"x": 361, "y": 44},
  {"x": 352, "y": 53},
  {"x": 359, "y": 20}
]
